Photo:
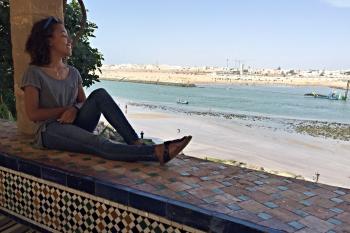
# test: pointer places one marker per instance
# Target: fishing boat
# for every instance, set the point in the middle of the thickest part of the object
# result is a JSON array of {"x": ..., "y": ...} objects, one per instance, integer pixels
[
  {"x": 181, "y": 101},
  {"x": 332, "y": 95}
]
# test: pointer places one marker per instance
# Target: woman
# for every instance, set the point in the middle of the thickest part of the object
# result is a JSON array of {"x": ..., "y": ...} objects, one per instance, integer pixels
[{"x": 65, "y": 118}]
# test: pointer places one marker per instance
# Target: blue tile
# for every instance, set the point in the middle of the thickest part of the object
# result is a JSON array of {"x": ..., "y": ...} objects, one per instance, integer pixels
[
  {"x": 218, "y": 191},
  {"x": 300, "y": 213},
  {"x": 309, "y": 194},
  {"x": 306, "y": 203},
  {"x": 54, "y": 175},
  {"x": 263, "y": 176},
  {"x": 312, "y": 186},
  {"x": 139, "y": 181},
  {"x": 182, "y": 193},
  {"x": 227, "y": 184},
  {"x": 264, "y": 216},
  {"x": 339, "y": 192},
  {"x": 337, "y": 210},
  {"x": 160, "y": 187},
  {"x": 84, "y": 184},
  {"x": 243, "y": 197},
  {"x": 112, "y": 192},
  {"x": 185, "y": 174},
  {"x": 193, "y": 185},
  {"x": 337, "y": 200},
  {"x": 334, "y": 221},
  {"x": 271, "y": 205},
  {"x": 258, "y": 182},
  {"x": 228, "y": 224},
  {"x": 251, "y": 189},
  {"x": 234, "y": 207},
  {"x": 296, "y": 225},
  {"x": 204, "y": 178},
  {"x": 209, "y": 200},
  {"x": 276, "y": 196},
  {"x": 148, "y": 202},
  {"x": 29, "y": 168},
  {"x": 188, "y": 214},
  {"x": 8, "y": 162},
  {"x": 283, "y": 188}
]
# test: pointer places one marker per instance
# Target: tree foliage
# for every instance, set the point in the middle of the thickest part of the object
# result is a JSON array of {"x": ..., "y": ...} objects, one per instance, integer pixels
[
  {"x": 86, "y": 59},
  {"x": 7, "y": 98}
]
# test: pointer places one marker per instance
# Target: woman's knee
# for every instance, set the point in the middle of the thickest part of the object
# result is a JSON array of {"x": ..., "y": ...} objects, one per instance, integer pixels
[{"x": 100, "y": 92}]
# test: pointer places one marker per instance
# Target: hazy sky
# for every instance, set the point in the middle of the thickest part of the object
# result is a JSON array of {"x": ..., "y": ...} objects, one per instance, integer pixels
[{"x": 263, "y": 33}]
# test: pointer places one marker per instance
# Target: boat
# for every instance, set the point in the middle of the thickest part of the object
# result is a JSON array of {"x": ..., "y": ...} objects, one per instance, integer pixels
[
  {"x": 181, "y": 101},
  {"x": 332, "y": 96},
  {"x": 316, "y": 95}
]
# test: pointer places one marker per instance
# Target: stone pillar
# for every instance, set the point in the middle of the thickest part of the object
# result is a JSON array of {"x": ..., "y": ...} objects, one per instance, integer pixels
[{"x": 23, "y": 14}]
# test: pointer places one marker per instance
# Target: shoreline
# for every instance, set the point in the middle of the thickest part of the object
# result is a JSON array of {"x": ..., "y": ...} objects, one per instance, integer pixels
[
  {"x": 150, "y": 82},
  {"x": 194, "y": 79},
  {"x": 315, "y": 128}
]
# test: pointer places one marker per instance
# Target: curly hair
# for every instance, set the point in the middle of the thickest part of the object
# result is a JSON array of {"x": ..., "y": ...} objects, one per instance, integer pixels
[{"x": 37, "y": 44}]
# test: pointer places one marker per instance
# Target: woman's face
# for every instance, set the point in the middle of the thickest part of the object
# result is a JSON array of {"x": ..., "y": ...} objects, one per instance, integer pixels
[{"x": 60, "y": 43}]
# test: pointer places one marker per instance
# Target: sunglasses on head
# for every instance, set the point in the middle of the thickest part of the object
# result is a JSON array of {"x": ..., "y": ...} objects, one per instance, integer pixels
[{"x": 49, "y": 21}]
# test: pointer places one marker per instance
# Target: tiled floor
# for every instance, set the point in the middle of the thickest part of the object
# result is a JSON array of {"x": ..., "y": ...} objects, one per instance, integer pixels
[
  {"x": 10, "y": 226},
  {"x": 282, "y": 203}
]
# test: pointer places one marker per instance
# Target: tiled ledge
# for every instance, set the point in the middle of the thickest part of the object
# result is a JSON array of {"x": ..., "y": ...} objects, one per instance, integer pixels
[{"x": 198, "y": 194}]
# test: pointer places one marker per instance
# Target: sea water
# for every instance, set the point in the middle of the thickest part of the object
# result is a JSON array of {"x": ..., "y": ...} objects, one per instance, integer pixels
[{"x": 270, "y": 101}]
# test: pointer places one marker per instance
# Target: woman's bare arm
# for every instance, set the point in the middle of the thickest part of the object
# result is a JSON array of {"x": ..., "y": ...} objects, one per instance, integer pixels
[
  {"x": 34, "y": 113},
  {"x": 70, "y": 114},
  {"x": 81, "y": 95}
]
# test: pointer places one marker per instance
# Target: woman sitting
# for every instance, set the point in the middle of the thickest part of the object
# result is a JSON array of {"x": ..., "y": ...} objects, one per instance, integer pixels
[{"x": 65, "y": 118}]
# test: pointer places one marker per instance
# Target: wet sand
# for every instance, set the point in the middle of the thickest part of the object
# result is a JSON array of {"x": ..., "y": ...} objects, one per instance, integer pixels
[{"x": 278, "y": 150}]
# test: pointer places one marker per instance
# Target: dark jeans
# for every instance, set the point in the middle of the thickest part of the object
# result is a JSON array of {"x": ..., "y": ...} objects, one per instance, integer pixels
[{"x": 78, "y": 137}]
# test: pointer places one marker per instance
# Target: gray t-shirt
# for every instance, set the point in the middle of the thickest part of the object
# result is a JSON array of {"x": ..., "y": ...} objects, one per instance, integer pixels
[{"x": 53, "y": 93}]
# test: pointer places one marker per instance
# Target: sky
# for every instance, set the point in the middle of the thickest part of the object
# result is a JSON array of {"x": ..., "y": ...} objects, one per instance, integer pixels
[{"x": 291, "y": 34}]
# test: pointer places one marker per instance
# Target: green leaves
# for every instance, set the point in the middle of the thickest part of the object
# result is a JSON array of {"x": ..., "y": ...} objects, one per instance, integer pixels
[
  {"x": 7, "y": 103},
  {"x": 5, "y": 113},
  {"x": 86, "y": 59}
]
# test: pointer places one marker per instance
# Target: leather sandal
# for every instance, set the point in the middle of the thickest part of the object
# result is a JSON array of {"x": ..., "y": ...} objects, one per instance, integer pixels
[{"x": 166, "y": 154}]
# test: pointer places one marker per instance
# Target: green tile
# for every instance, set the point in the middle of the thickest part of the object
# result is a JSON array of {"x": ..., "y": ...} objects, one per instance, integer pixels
[
  {"x": 161, "y": 187},
  {"x": 153, "y": 174},
  {"x": 139, "y": 181},
  {"x": 172, "y": 180}
]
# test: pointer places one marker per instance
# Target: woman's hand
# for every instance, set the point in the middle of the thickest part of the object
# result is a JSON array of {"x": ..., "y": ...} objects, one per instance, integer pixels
[{"x": 68, "y": 116}]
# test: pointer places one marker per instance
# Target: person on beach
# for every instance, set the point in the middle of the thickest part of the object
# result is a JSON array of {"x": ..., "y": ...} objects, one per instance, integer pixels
[{"x": 65, "y": 118}]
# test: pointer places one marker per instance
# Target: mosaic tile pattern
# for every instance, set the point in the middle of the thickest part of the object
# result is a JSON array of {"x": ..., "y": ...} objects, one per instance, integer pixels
[
  {"x": 282, "y": 203},
  {"x": 62, "y": 210}
]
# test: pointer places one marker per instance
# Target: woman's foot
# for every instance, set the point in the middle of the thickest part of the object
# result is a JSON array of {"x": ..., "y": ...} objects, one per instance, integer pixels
[{"x": 170, "y": 149}]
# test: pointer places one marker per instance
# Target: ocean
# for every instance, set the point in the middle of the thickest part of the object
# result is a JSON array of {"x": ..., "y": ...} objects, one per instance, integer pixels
[{"x": 282, "y": 102}]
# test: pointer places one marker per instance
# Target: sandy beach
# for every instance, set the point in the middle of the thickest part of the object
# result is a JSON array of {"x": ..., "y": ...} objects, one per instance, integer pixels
[
  {"x": 276, "y": 151},
  {"x": 188, "y": 78}
]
